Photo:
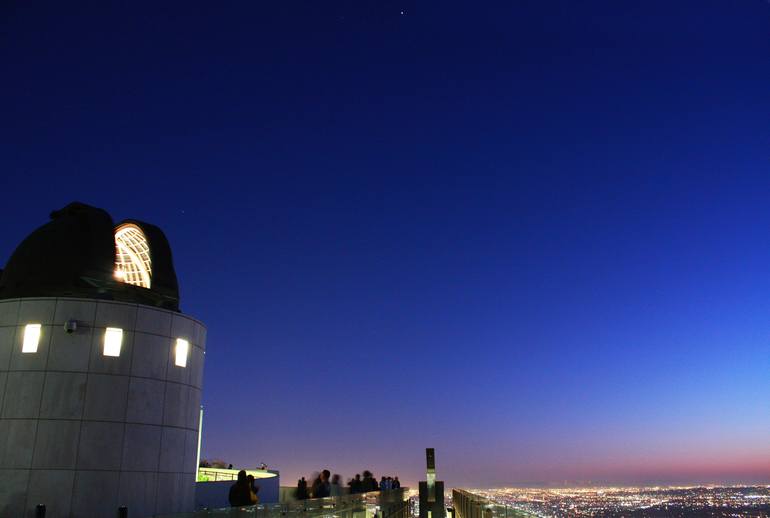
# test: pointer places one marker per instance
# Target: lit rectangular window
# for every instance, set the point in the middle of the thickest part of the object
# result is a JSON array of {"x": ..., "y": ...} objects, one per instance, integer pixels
[
  {"x": 113, "y": 339},
  {"x": 31, "y": 338},
  {"x": 182, "y": 346}
]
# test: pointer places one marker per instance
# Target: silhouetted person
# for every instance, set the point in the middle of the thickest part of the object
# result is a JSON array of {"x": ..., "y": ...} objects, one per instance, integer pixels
[
  {"x": 396, "y": 483},
  {"x": 315, "y": 487},
  {"x": 253, "y": 489},
  {"x": 369, "y": 482},
  {"x": 302, "y": 489},
  {"x": 240, "y": 492},
  {"x": 335, "y": 489},
  {"x": 355, "y": 484},
  {"x": 321, "y": 486},
  {"x": 383, "y": 483}
]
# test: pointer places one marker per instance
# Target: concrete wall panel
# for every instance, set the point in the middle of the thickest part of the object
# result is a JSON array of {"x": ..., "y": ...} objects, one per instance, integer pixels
[
  {"x": 106, "y": 397},
  {"x": 52, "y": 487},
  {"x": 23, "y": 392},
  {"x": 95, "y": 494},
  {"x": 17, "y": 442},
  {"x": 170, "y": 494},
  {"x": 56, "y": 444},
  {"x": 151, "y": 320},
  {"x": 13, "y": 491},
  {"x": 196, "y": 367},
  {"x": 63, "y": 395},
  {"x": 9, "y": 312},
  {"x": 70, "y": 352},
  {"x": 200, "y": 334},
  {"x": 7, "y": 339},
  {"x": 189, "y": 464},
  {"x": 138, "y": 489},
  {"x": 81, "y": 310},
  {"x": 145, "y": 401},
  {"x": 193, "y": 408},
  {"x": 183, "y": 327},
  {"x": 141, "y": 447},
  {"x": 39, "y": 311},
  {"x": 3, "y": 379},
  {"x": 175, "y": 405},
  {"x": 83, "y": 433},
  {"x": 202, "y": 337},
  {"x": 101, "y": 445},
  {"x": 112, "y": 314},
  {"x": 172, "y": 450},
  {"x": 150, "y": 356}
]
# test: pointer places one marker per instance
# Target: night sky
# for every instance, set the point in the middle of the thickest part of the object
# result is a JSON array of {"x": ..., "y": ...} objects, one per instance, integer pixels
[{"x": 531, "y": 234}]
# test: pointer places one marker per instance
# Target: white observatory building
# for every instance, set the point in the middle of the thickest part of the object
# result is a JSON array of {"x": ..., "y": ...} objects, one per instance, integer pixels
[{"x": 100, "y": 373}]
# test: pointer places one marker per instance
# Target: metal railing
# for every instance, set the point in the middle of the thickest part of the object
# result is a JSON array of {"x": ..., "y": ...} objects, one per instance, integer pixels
[
  {"x": 219, "y": 474},
  {"x": 375, "y": 504},
  {"x": 470, "y": 505}
]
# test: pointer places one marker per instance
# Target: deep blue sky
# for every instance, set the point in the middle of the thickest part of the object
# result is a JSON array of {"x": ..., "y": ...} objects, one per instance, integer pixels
[{"x": 531, "y": 234}]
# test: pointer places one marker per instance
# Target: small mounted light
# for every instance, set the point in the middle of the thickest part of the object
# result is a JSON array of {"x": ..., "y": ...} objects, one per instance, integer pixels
[
  {"x": 113, "y": 339},
  {"x": 31, "y": 338},
  {"x": 70, "y": 326},
  {"x": 180, "y": 353}
]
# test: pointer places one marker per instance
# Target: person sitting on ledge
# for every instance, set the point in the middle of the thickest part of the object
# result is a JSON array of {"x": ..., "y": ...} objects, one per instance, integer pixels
[
  {"x": 240, "y": 492},
  {"x": 253, "y": 489}
]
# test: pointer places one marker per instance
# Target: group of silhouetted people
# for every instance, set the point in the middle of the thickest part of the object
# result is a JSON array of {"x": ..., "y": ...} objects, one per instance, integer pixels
[
  {"x": 326, "y": 485},
  {"x": 321, "y": 487},
  {"x": 388, "y": 483},
  {"x": 244, "y": 491}
]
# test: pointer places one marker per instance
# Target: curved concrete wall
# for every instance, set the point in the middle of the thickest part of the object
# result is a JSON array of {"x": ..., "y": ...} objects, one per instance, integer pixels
[{"x": 84, "y": 433}]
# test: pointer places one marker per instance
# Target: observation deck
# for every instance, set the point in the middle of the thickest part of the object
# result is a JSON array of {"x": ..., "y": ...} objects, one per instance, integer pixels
[
  {"x": 394, "y": 503},
  {"x": 467, "y": 504}
]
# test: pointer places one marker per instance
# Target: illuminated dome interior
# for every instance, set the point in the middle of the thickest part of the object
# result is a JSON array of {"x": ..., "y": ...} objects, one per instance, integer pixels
[
  {"x": 129, "y": 261},
  {"x": 132, "y": 256}
]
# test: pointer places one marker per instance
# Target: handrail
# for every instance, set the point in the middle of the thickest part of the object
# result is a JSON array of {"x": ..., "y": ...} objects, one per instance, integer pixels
[
  {"x": 467, "y": 504},
  {"x": 392, "y": 503}
]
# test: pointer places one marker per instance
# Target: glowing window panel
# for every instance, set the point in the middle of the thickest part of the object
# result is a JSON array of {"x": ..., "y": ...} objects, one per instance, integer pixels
[
  {"x": 113, "y": 339},
  {"x": 182, "y": 346},
  {"x": 132, "y": 256},
  {"x": 31, "y": 338},
  {"x": 180, "y": 352}
]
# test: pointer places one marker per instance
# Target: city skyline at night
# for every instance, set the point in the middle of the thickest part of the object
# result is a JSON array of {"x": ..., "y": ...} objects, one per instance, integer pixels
[{"x": 532, "y": 235}]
